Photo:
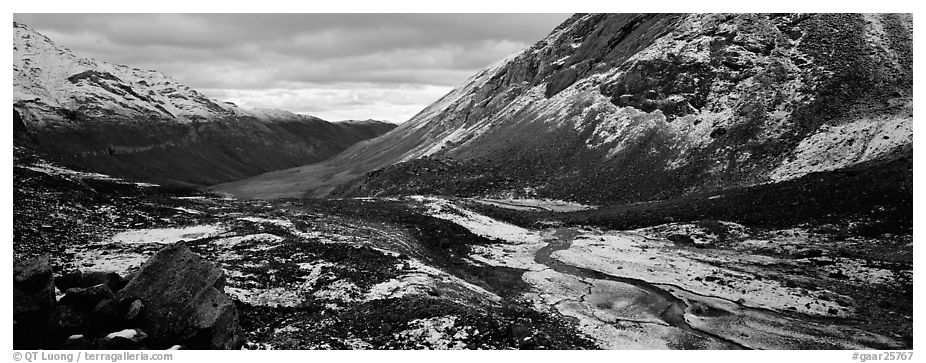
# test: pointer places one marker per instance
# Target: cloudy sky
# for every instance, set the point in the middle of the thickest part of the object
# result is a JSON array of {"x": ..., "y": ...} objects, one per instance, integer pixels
[{"x": 335, "y": 66}]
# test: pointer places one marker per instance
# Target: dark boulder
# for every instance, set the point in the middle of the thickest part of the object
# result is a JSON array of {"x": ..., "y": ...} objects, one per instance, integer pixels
[
  {"x": 108, "y": 315},
  {"x": 87, "y": 298},
  {"x": 520, "y": 335},
  {"x": 78, "y": 342},
  {"x": 133, "y": 310},
  {"x": 808, "y": 253},
  {"x": 682, "y": 239},
  {"x": 75, "y": 321},
  {"x": 184, "y": 302},
  {"x": 90, "y": 278},
  {"x": 34, "y": 316}
]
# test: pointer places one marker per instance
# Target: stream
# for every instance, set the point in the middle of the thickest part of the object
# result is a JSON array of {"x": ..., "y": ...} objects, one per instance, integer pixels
[{"x": 666, "y": 306}]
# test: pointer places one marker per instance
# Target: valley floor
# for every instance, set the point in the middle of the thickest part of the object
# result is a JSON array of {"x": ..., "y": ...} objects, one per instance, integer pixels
[{"x": 426, "y": 272}]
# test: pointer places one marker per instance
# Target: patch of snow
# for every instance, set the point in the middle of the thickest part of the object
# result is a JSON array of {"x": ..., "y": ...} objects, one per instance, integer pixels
[
  {"x": 127, "y": 334},
  {"x": 238, "y": 275},
  {"x": 229, "y": 242},
  {"x": 50, "y": 169},
  {"x": 860, "y": 271},
  {"x": 315, "y": 271},
  {"x": 436, "y": 333},
  {"x": 423, "y": 279},
  {"x": 410, "y": 284},
  {"x": 504, "y": 255},
  {"x": 273, "y": 297},
  {"x": 528, "y": 204},
  {"x": 835, "y": 147},
  {"x": 167, "y": 235},
  {"x": 286, "y": 329},
  {"x": 341, "y": 290},
  {"x": 452, "y": 138},
  {"x": 278, "y": 222},
  {"x": 516, "y": 245},
  {"x": 119, "y": 262},
  {"x": 357, "y": 344},
  {"x": 476, "y": 223},
  {"x": 270, "y": 114},
  {"x": 561, "y": 60},
  {"x": 698, "y": 234}
]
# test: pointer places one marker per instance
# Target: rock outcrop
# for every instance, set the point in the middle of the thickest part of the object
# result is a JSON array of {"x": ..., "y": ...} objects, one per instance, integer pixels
[
  {"x": 85, "y": 279},
  {"x": 34, "y": 316},
  {"x": 87, "y": 298},
  {"x": 184, "y": 301},
  {"x": 176, "y": 299}
]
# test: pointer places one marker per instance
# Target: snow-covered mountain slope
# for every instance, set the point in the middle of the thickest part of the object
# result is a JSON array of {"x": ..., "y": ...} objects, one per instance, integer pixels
[
  {"x": 48, "y": 78},
  {"x": 145, "y": 125},
  {"x": 630, "y": 107}
]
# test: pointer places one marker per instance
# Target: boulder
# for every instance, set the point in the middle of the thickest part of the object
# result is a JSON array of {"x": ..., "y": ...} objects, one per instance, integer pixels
[
  {"x": 75, "y": 321},
  {"x": 90, "y": 278},
  {"x": 78, "y": 342},
  {"x": 184, "y": 302},
  {"x": 34, "y": 315},
  {"x": 682, "y": 239},
  {"x": 105, "y": 316},
  {"x": 108, "y": 315},
  {"x": 133, "y": 310},
  {"x": 521, "y": 335},
  {"x": 808, "y": 253},
  {"x": 87, "y": 298}
]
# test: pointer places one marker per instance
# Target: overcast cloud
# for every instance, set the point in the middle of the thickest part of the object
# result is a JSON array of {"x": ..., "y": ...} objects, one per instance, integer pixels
[{"x": 335, "y": 66}]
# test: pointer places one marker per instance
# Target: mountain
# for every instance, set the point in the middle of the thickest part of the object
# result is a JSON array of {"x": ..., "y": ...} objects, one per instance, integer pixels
[
  {"x": 778, "y": 147},
  {"x": 613, "y": 108},
  {"x": 146, "y": 125}
]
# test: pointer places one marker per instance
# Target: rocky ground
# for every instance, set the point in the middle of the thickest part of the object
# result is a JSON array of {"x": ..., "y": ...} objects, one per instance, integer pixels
[
  {"x": 435, "y": 273},
  {"x": 304, "y": 275}
]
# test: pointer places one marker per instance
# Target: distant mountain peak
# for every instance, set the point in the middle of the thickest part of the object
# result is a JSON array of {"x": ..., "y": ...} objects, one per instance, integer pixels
[
  {"x": 50, "y": 78},
  {"x": 54, "y": 81}
]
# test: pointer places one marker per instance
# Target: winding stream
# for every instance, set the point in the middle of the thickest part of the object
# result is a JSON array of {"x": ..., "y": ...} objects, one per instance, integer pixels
[{"x": 666, "y": 306}]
